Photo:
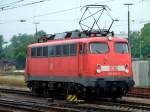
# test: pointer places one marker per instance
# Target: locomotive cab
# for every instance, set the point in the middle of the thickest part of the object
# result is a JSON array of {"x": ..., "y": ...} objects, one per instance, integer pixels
[{"x": 109, "y": 61}]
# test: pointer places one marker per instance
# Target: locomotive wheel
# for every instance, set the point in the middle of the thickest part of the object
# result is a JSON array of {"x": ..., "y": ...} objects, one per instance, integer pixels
[
  {"x": 90, "y": 94},
  {"x": 75, "y": 89}
]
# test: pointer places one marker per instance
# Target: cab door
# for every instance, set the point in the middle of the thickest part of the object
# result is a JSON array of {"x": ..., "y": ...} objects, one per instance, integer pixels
[{"x": 82, "y": 59}]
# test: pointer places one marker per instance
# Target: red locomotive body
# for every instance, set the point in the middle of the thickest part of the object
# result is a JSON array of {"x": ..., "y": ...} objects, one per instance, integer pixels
[{"x": 93, "y": 67}]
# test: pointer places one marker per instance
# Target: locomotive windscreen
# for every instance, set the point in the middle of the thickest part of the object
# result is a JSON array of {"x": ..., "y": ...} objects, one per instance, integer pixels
[
  {"x": 98, "y": 48},
  {"x": 121, "y": 47}
]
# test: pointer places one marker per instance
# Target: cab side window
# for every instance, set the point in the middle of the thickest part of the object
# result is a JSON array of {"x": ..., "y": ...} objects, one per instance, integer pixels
[
  {"x": 73, "y": 49},
  {"x": 83, "y": 48},
  {"x": 51, "y": 51},
  {"x": 66, "y": 50},
  {"x": 45, "y": 51},
  {"x": 80, "y": 49},
  {"x": 39, "y": 51},
  {"x": 33, "y": 52},
  {"x": 59, "y": 50}
]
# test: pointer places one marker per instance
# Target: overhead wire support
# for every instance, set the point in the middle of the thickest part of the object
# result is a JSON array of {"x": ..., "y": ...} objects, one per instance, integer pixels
[
  {"x": 22, "y": 5},
  {"x": 10, "y": 4},
  {"x": 59, "y": 11}
]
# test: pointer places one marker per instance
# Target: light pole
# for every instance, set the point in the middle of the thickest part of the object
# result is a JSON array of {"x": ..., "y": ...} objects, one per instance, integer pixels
[
  {"x": 128, "y": 4},
  {"x": 36, "y": 29}
]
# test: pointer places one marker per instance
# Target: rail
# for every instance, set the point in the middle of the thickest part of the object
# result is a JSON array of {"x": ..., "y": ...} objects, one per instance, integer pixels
[{"x": 57, "y": 104}]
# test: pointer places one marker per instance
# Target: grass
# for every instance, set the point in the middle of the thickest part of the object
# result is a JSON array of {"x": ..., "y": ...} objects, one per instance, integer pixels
[{"x": 12, "y": 80}]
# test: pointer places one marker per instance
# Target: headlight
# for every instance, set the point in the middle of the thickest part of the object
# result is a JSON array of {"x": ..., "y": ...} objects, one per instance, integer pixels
[
  {"x": 126, "y": 70},
  {"x": 98, "y": 70}
]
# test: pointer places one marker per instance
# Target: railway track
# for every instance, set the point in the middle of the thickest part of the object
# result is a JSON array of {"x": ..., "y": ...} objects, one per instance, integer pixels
[
  {"x": 15, "y": 91},
  {"x": 125, "y": 105},
  {"x": 37, "y": 106},
  {"x": 101, "y": 105},
  {"x": 46, "y": 104},
  {"x": 44, "y": 107},
  {"x": 33, "y": 106},
  {"x": 138, "y": 95}
]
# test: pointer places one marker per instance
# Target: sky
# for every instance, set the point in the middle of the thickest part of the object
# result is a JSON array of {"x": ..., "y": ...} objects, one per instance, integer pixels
[{"x": 56, "y": 16}]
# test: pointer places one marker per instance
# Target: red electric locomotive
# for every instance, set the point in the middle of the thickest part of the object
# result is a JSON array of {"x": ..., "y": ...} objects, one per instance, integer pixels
[
  {"x": 95, "y": 65},
  {"x": 86, "y": 63}
]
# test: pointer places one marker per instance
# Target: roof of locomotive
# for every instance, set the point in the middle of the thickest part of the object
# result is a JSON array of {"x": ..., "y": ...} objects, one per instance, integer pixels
[{"x": 77, "y": 40}]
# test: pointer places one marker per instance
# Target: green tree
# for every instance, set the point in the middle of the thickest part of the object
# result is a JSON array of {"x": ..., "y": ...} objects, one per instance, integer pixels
[
  {"x": 135, "y": 41},
  {"x": 20, "y": 51},
  {"x": 145, "y": 40},
  {"x": 1, "y": 47},
  {"x": 18, "y": 46},
  {"x": 40, "y": 33},
  {"x": 8, "y": 52},
  {"x": 20, "y": 55}
]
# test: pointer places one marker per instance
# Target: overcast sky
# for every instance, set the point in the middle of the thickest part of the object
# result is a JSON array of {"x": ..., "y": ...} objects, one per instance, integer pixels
[{"x": 53, "y": 19}]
